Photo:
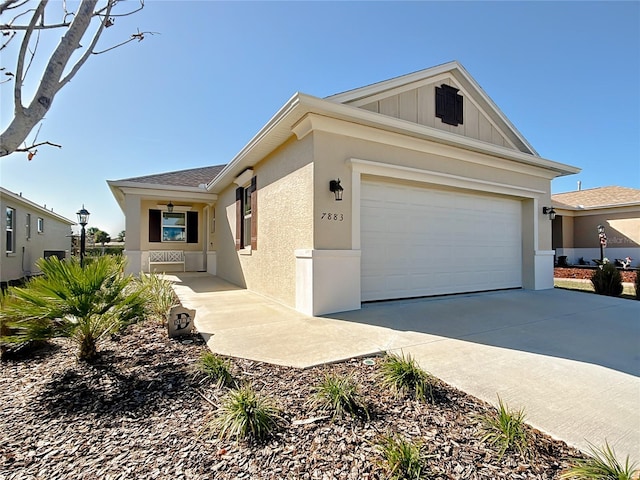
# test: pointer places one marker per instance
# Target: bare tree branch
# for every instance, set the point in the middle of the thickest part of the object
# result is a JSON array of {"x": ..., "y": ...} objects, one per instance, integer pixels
[
  {"x": 58, "y": 71},
  {"x": 31, "y": 147},
  {"x": 11, "y": 4},
  {"x": 135, "y": 36}
]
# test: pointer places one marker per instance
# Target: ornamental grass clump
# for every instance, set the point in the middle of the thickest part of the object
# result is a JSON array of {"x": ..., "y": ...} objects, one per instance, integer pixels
[
  {"x": 84, "y": 304},
  {"x": 159, "y": 294},
  {"x": 402, "y": 459},
  {"x": 339, "y": 395},
  {"x": 404, "y": 376},
  {"x": 505, "y": 429},
  {"x": 245, "y": 414},
  {"x": 601, "y": 464},
  {"x": 217, "y": 369},
  {"x": 607, "y": 280}
]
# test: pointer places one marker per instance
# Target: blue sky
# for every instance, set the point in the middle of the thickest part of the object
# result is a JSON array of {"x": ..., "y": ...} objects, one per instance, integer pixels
[{"x": 567, "y": 74}]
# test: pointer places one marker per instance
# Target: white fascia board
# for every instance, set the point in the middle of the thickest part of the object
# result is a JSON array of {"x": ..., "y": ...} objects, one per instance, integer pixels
[
  {"x": 386, "y": 85},
  {"x": 29, "y": 204},
  {"x": 120, "y": 189},
  {"x": 454, "y": 68},
  {"x": 358, "y": 115},
  {"x": 246, "y": 157},
  {"x": 280, "y": 126}
]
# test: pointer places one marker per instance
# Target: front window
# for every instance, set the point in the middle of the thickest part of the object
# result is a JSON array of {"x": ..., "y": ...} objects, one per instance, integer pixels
[
  {"x": 40, "y": 225},
  {"x": 10, "y": 229},
  {"x": 174, "y": 227},
  {"x": 246, "y": 227}
]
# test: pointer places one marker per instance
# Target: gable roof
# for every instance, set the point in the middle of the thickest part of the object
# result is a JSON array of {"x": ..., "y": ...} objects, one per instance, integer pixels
[
  {"x": 600, "y": 197},
  {"x": 18, "y": 198},
  {"x": 192, "y": 177},
  {"x": 363, "y": 95}
]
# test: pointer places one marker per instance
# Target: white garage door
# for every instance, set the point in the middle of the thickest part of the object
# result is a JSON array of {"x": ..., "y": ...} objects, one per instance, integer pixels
[{"x": 418, "y": 242}]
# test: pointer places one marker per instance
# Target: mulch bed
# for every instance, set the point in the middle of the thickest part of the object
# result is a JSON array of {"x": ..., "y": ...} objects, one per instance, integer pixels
[
  {"x": 139, "y": 413},
  {"x": 585, "y": 273}
]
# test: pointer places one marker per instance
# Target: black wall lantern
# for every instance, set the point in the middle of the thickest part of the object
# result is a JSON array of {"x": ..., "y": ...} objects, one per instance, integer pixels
[
  {"x": 549, "y": 211},
  {"x": 170, "y": 207},
  {"x": 336, "y": 188}
]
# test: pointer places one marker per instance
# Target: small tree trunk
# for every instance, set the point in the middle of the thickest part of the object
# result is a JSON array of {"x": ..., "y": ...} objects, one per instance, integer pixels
[{"x": 88, "y": 351}]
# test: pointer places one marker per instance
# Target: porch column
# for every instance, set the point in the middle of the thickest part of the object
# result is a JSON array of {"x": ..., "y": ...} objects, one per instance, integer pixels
[{"x": 132, "y": 234}]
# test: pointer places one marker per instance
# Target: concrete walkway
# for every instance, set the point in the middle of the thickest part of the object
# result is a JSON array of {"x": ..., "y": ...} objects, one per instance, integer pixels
[{"x": 571, "y": 359}]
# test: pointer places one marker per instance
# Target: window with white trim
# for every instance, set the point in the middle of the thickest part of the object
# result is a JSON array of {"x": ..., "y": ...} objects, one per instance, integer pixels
[
  {"x": 10, "y": 230},
  {"x": 40, "y": 225},
  {"x": 246, "y": 216},
  {"x": 174, "y": 227}
]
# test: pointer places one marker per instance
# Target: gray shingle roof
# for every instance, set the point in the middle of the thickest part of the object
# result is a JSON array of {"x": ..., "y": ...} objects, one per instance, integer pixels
[
  {"x": 192, "y": 177},
  {"x": 597, "y": 197}
]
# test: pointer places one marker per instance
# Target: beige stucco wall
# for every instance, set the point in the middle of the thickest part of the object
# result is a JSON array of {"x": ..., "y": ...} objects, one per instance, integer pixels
[
  {"x": 418, "y": 106},
  {"x": 333, "y": 151},
  {"x": 56, "y": 236},
  {"x": 285, "y": 205},
  {"x": 622, "y": 229}
]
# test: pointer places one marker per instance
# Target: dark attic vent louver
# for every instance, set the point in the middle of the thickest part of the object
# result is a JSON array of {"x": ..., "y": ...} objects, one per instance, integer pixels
[{"x": 448, "y": 105}]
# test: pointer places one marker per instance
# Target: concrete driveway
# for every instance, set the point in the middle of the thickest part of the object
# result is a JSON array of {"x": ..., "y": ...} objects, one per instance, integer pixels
[{"x": 571, "y": 359}]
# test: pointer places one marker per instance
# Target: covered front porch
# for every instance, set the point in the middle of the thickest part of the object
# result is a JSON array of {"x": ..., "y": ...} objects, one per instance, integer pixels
[{"x": 169, "y": 221}]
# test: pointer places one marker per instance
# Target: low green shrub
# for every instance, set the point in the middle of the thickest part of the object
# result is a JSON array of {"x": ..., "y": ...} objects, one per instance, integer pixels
[
  {"x": 404, "y": 376},
  {"x": 402, "y": 459},
  {"x": 217, "y": 369},
  {"x": 244, "y": 414},
  {"x": 505, "y": 429},
  {"x": 607, "y": 280},
  {"x": 339, "y": 395},
  {"x": 601, "y": 464}
]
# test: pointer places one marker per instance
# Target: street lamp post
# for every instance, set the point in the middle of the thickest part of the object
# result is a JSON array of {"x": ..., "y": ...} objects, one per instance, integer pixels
[
  {"x": 83, "y": 219},
  {"x": 603, "y": 241}
]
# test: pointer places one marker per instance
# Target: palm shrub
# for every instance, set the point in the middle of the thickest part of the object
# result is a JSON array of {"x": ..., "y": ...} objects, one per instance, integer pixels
[
  {"x": 217, "y": 369},
  {"x": 82, "y": 304},
  {"x": 245, "y": 414},
  {"x": 160, "y": 297},
  {"x": 340, "y": 395},
  {"x": 601, "y": 464},
  {"x": 404, "y": 376},
  {"x": 505, "y": 429},
  {"x": 402, "y": 459},
  {"x": 607, "y": 280}
]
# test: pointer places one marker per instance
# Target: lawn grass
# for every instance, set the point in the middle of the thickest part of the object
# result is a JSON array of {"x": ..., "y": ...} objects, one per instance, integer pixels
[{"x": 587, "y": 286}]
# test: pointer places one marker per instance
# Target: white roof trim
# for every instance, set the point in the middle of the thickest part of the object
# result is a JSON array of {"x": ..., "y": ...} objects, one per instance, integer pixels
[
  {"x": 454, "y": 68},
  {"x": 19, "y": 198}
]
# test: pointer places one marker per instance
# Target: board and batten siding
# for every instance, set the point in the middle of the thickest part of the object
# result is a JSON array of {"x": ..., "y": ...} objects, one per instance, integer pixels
[{"x": 419, "y": 106}]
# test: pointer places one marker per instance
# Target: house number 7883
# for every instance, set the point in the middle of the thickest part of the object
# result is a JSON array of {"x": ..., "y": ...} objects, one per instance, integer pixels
[{"x": 337, "y": 217}]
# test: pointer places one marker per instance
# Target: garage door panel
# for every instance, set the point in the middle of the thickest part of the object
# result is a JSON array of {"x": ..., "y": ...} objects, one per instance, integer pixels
[{"x": 418, "y": 242}]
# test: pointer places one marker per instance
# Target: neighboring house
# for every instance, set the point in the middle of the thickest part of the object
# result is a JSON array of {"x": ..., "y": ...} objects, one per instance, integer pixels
[
  {"x": 439, "y": 194},
  {"x": 578, "y": 214},
  {"x": 31, "y": 232}
]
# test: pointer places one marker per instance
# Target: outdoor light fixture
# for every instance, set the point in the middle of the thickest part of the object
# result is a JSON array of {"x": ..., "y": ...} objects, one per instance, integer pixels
[
  {"x": 170, "y": 207},
  {"x": 549, "y": 211},
  {"x": 83, "y": 219},
  {"x": 336, "y": 188},
  {"x": 602, "y": 237}
]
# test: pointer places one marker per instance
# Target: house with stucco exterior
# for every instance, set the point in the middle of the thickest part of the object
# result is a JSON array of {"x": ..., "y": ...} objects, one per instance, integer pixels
[
  {"x": 31, "y": 232},
  {"x": 578, "y": 215},
  {"x": 414, "y": 186}
]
